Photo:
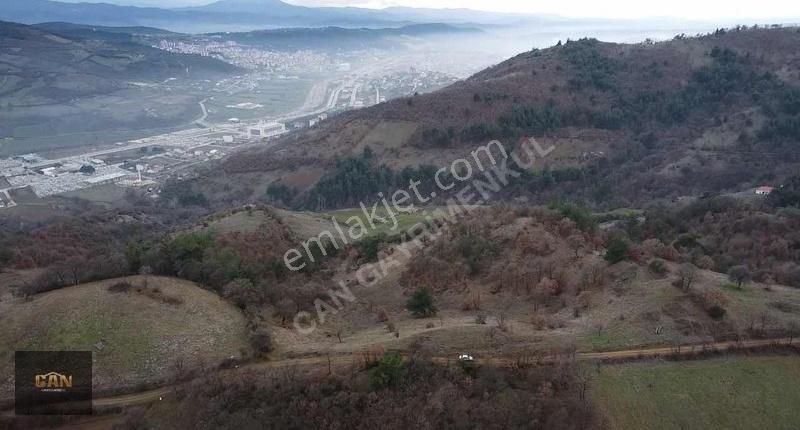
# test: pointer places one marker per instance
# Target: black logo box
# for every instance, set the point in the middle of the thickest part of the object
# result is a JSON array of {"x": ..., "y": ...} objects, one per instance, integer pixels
[{"x": 57, "y": 399}]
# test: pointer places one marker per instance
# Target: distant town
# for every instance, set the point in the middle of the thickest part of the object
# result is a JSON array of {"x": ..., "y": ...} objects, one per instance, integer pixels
[{"x": 149, "y": 161}]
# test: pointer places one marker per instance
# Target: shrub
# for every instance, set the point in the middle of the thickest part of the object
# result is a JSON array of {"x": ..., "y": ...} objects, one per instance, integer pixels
[
  {"x": 120, "y": 287},
  {"x": 368, "y": 248},
  {"x": 260, "y": 340},
  {"x": 389, "y": 371},
  {"x": 717, "y": 312},
  {"x": 658, "y": 267},
  {"x": 158, "y": 295},
  {"x": 421, "y": 303},
  {"x": 475, "y": 250},
  {"x": 582, "y": 218},
  {"x": 617, "y": 250},
  {"x": 705, "y": 262},
  {"x": 242, "y": 293},
  {"x": 471, "y": 303}
]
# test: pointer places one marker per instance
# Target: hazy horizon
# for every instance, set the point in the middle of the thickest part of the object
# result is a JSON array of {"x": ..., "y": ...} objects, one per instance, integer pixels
[{"x": 715, "y": 10}]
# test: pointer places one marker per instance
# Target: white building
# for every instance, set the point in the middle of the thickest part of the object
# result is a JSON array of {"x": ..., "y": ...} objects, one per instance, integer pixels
[
  {"x": 265, "y": 129},
  {"x": 107, "y": 178}
]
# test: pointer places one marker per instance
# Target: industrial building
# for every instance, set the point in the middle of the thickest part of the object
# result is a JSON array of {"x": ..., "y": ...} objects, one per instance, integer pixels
[{"x": 265, "y": 129}]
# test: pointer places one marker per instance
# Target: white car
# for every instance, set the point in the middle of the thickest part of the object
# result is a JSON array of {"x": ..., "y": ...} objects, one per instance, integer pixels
[{"x": 465, "y": 357}]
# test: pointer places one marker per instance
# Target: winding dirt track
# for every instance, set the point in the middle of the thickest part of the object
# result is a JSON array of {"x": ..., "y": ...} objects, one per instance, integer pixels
[
  {"x": 349, "y": 358},
  {"x": 342, "y": 360}
]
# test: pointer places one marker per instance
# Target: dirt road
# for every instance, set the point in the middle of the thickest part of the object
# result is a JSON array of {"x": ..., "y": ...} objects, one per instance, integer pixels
[
  {"x": 345, "y": 359},
  {"x": 342, "y": 360}
]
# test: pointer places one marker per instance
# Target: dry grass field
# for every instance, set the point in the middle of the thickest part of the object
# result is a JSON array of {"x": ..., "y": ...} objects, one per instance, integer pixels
[{"x": 135, "y": 337}]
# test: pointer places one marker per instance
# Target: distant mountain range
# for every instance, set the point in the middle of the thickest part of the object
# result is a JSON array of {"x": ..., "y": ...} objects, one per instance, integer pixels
[
  {"x": 236, "y": 15},
  {"x": 36, "y": 59},
  {"x": 63, "y": 78},
  {"x": 284, "y": 39}
]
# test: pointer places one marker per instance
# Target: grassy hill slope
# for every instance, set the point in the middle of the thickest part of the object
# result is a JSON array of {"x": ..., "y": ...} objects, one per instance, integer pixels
[{"x": 137, "y": 334}]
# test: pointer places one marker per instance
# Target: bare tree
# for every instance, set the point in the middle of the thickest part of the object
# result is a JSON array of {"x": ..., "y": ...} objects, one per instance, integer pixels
[
  {"x": 687, "y": 274},
  {"x": 285, "y": 309},
  {"x": 576, "y": 242},
  {"x": 793, "y": 330},
  {"x": 145, "y": 271},
  {"x": 584, "y": 377},
  {"x": 339, "y": 328}
]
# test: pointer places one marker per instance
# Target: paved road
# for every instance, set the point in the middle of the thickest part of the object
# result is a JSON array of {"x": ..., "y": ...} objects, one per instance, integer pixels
[{"x": 346, "y": 359}]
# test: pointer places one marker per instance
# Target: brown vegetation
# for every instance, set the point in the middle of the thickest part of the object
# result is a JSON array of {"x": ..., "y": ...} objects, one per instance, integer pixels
[{"x": 422, "y": 396}]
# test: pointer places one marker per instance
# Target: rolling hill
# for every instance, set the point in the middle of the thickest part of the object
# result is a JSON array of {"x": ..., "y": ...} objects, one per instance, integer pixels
[
  {"x": 632, "y": 123},
  {"x": 138, "y": 328},
  {"x": 62, "y": 65},
  {"x": 61, "y": 78}
]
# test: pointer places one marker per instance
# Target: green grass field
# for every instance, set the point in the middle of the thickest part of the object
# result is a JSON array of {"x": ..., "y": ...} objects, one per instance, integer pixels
[
  {"x": 721, "y": 393},
  {"x": 276, "y": 97},
  {"x": 244, "y": 222},
  {"x": 404, "y": 220},
  {"x": 106, "y": 193}
]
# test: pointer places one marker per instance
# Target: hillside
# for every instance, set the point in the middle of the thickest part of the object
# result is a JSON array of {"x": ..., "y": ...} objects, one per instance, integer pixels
[
  {"x": 61, "y": 79},
  {"x": 41, "y": 66},
  {"x": 510, "y": 284},
  {"x": 631, "y": 123},
  {"x": 140, "y": 329},
  {"x": 632, "y": 278}
]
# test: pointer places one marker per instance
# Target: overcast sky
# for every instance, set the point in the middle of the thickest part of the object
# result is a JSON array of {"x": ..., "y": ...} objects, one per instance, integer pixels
[{"x": 691, "y": 9}]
